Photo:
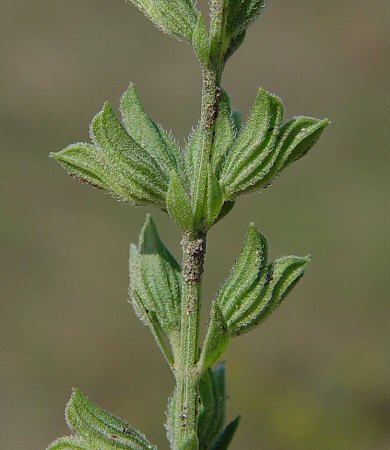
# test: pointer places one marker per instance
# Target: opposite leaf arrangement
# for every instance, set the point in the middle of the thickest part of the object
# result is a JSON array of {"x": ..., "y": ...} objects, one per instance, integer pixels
[{"x": 136, "y": 161}]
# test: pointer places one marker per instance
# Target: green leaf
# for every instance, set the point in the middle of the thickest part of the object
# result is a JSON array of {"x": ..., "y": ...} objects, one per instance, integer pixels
[
  {"x": 214, "y": 200},
  {"x": 241, "y": 14},
  {"x": 99, "y": 429},
  {"x": 254, "y": 289},
  {"x": 68, "y": 443},
  {"x": 156, "y": 284},
  {"x": 190, "y": 153},
  {"x": 207, "y": 196},
  {"x": 246, "y": 275},
  {"x": 150, "y": 319},
  {"x": 281, "y": 277},
  {"x": 200, "y": 185},
  {"x": 116, "y": 163},
  {"x": 296, "y": 138},
  {"x": 212, "y": 393},
  {"x": 225, "y": 133},
  {"x": 175, "y": 17},
  {"x": 264, "y": 148},
  {"x": 216, "y": 339},
  {"x": 206, "y": 191},
  {"x": 108, "y": 134},
  {"x": 149, "y": 136},
  {"x": 237, "y": 121},
  {"x": 82, "y": 162},
  {"x": 226, "y": 437},
  {"x": 97, "y": 168},
  {"x": 200, "y": 42},
  {"x": 244, "y": 163},
  {"x": 179, "y": 204},
  {"x": 234, "y": 44}
]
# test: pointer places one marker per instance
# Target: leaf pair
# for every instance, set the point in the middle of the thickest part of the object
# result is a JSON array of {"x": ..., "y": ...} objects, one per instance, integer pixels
[
  {"x": 155, "y": 288},
  {"x": 255, "y": 288},
  {"x": 133, "y": 161},
  {"x": 95, "y": 428},
  {"x": 252, "y": 291},
  {"x": 212, "y": 400},
  {"x": 263, "y": 147}
]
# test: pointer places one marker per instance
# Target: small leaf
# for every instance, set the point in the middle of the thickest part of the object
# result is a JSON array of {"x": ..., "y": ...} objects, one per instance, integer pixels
[
  {"x": 241, "y": 14},
  {"x": 149, "y": 318},
  {"x": 237, "y": 121},
  {"x": 246, "y": 275},
  {"x": 281, "y": 277},
  {"x": 264, "y": 148},
  {"x": 68, "y": 443},
  {"x": 190, "y": 153},
  {"x": 214, "y": 199},
  {"x": 200, "y": 178},
  {"x": 254, "y": 288},
  {"x": 212, "y": 394},
  {"x": 82, "y": 162},
  {"x": 116, "y": 163},
  {"x": 200, "y": 41},
  {"x": 108, "y": 134},
  {"x": 216, "y": 339},
  {"x": 156, "y": 284},
  {"x": 149, "y": 136},
  {"x": 295, "y": 139},
  {"x": 225, "y": 133},
  {"x": 244, "y": 164},
  {"x": 175, "y": 17},
  {"x": 179, "y": 204},
  {"x": 206, "y": 192},
  {"x": 226, "y": 437},
  {"x": 234, "y": 44},
  {"x": 207, "y": 196},
  {"x": 100, "y": 429}
]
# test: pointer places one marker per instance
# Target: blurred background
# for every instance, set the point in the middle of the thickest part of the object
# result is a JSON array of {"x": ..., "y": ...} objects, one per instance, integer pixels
[{"x": 317, "y": 374}]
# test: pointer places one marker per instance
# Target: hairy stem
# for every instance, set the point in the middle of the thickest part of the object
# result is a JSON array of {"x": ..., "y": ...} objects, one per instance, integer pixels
[
  {"x": 194, "y": 248},
  {"x": 187, "y": 375}
]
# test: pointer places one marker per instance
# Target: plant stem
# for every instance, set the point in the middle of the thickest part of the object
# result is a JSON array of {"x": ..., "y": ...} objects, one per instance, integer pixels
[
  {"x": 194, "y": 249},
  {"x": 187, "y": 375}
]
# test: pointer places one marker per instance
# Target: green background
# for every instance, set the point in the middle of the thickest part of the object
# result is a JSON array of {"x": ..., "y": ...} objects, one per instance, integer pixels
[{"x": 317, "y": 374}]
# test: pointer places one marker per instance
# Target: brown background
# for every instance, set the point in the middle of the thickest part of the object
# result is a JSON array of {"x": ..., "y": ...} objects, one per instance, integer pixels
[{"x": 315, "y": 376}]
